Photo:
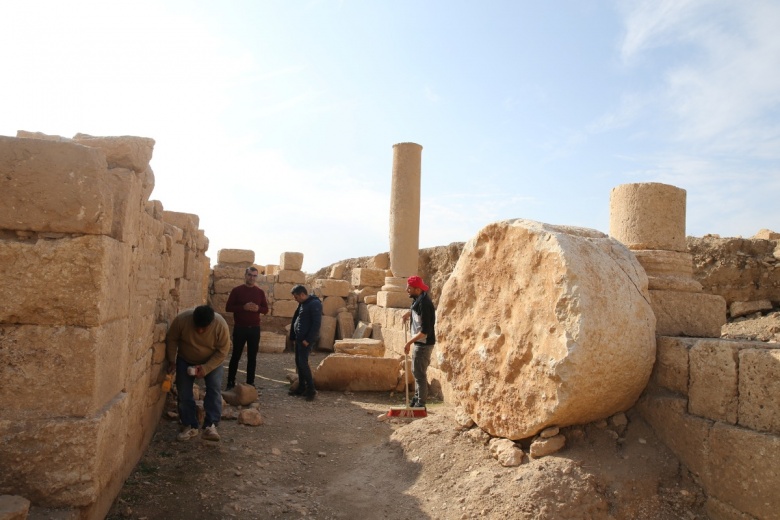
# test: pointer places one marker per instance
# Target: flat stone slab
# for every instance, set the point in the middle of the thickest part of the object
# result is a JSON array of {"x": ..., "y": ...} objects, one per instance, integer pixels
[{"x": 343, "y": 372}]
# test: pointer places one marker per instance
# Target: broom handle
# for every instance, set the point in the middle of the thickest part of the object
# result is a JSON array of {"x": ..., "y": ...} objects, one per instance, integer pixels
[{"x": 406, "y": 370}]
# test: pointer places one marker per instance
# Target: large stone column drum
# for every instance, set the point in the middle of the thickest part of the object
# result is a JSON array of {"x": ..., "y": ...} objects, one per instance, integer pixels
[
  {"x": 404, "y": 223},
  {"x": 543, "y": 325}
]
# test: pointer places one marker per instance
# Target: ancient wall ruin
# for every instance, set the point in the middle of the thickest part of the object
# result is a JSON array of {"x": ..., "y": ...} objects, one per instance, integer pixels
[{"x": 91, "y": 272}]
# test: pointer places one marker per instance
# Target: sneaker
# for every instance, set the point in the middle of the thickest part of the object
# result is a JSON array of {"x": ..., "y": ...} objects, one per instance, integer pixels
[
  {"x": 413, "y": 403},
  {"x": 187, "y": 433},
  {"x": 210, "y": 433}
]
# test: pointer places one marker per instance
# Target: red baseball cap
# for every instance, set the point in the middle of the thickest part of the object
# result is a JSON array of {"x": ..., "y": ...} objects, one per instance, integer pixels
[{"x": 416, "y": 281}]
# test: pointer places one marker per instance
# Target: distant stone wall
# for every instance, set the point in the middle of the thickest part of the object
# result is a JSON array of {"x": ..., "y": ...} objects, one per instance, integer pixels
[
  {"x": 714, "y": 403},
  {"x": 91, "y": 273}
]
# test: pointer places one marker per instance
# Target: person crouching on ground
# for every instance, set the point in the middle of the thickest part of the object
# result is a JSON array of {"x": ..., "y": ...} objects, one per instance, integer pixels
[
  {"x": 305, "y": 331},
  {"x": 423, "y": 337},
  {"x": 197, "y": 343}
]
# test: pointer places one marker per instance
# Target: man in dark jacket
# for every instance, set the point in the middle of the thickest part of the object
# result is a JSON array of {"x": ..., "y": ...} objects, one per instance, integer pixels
[
  {"x": 423, "y": 337},
  {"x": 305, "y": 331}
]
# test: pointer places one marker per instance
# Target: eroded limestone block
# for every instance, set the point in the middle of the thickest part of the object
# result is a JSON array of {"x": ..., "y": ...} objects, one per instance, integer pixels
[
  {"x": 236, "y": 256},
  {"x": 336, "y": 272},
  {"x": 133, "y": 153},
  {"x": 332, "y": 304},
  {"x": 737, "y": 309},
  {"x": 272, "y": 343},
  {"x": 345, "y": 325},
  {"x": 543, "y": 446},
  {"x": 544, "y": 325},
  {"x": 690, "y": 314},
  {"x": 291, "y": 262},
  {"x": 225, "y": 285},
  {"x": 759, "y": 388},
  {"x": 671, "y": 365},
  {"x": 290, "y": 276},
  {"x": 393, "y": 299},
  {"x": 240, "y": 395},
  {"x": 14, "y": 507},
  {"x": 250, "y": 417},
  {"x": 648, "y": 215},
  {"x": 91, "y": 273},
  {"x": 364, "y": 277},
  {"x": 506, "y": 452},
  {"x": 714, "y": 361},
  {"x": 54, "y": 186},
  {"x": 328, "y": 287},
  {"x": 344, "y": 372},
  {"x": 283, "y": 291},
  {"x": 327, "y": 333},
  {"x": 284, "y": 308},
  {"x": 360, "y": 347},
  {"x": 363, "y": 330},
  {"x": 742, "y": 466}
]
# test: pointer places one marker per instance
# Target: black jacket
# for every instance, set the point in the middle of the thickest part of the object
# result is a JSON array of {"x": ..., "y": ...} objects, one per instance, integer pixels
[
  {"x": 307, "y": 320},
  {"x": 423, "y": 306}
]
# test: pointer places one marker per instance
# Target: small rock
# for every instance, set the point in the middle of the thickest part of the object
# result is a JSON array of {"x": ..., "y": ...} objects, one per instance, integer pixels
[
  {"x": 552, "y": 431},
  {"x": 542, "y": 447},
  {"x": 250, "y": 417}
]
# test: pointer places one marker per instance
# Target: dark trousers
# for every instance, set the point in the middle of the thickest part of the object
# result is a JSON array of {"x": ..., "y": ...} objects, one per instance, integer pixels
[
  {"x": 250, "y": 336},
  {"x": 212, "y": 403},
  {"x": 305, "y": 379}
]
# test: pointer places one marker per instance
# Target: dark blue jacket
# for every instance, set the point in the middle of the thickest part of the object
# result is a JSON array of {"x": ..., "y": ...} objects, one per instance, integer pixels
[{"x": 307, "y": 320}]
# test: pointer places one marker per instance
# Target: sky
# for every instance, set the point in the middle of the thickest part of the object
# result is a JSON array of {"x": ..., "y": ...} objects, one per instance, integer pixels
[{"x": 274, "y": 121}]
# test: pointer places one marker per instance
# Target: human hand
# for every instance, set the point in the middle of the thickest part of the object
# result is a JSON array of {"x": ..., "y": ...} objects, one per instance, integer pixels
[
  {"x": 407, "y": 315},
  {"x": 250, "y": 306},
  {"x": 407, "y": 347},
  {"x": 199, "y": 373},
  {"x": 171, "y": 367}
]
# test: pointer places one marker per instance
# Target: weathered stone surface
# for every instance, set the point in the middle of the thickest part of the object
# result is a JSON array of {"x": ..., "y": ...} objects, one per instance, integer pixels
[
  {"x": 77, "y": 378},
  {"x": 506, "y": 452},
  {"x": 648, "y": 215},
  {"x": 392, "y": 300},
  {"x": 688, "y": 314},
  {"x": 329, "y": 287},
  {"x": 370, "y": 299},
  {"x": 229, "y": 271},
  {"x": 284, "y": 308},
  {"x": 13, "y": 507},
  {"x": 290, "y": 276},
  {"x": 363, "y": 330},
  {"x": 744, "y": 469},
  {"x": 225, "y": 285},
  {"x": 282, "y": 291},
  {"x": 345, "y": 327},
  {"x": 527, "y": 333},
  {"x": 759, "y": 388},
  {"x": 91, "y": 273},
  {"x": 717, "y": 510},
  {"x": 767, "y": 234},
  {"x": 671, "y": 365},
  {"x": 332, "y": 304},
  {"x": 686, "y": 435},
  {"x": 363, "y": 277},
  {"x": 356, "y": 373},
  {"x": 336, "y": 272},
  {"x": 131, "y": 152},
  {"x": 241, "y": 395},
  {"x": 291, "y": 262},
  {"x": 51, "y": 448},
  {"x": 360, "y": 347},
  {"x": 54, "y": 186},
  {"x": 541, "y": 447},
  {"x": 327, "y": 333},
  {"x": 236, "y": 256},
  {"x": 380, "y": 261},
  {"x": 272, "y": 343},
  {"x": 366, "y": 292},
  {"x": 250, "y": 417},
  {"x": 710, "y": 361},
  {"x": 737, "y": 309}
]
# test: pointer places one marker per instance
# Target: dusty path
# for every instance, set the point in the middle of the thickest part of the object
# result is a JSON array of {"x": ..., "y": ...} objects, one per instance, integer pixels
[{"x": 332, "y": 459}]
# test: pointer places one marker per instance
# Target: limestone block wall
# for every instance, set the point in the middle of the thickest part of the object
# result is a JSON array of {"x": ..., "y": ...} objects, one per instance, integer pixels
[
  {"x": 738, "y": 269},
  {"x": 275, "y": 280},
  {"x": 713, "y": 402},
  {"x": 91, "y": 272}
]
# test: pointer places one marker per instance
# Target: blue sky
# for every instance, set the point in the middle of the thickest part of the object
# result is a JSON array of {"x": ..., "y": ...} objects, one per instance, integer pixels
[{"x": 275, "y": 120}]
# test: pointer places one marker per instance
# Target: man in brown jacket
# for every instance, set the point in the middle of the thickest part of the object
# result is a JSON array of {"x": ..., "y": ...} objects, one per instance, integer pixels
[{"x": 197, "y": 343}]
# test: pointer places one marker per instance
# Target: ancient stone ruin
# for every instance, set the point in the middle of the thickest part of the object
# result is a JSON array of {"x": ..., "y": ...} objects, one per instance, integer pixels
[{"x": 540, "y": 326}]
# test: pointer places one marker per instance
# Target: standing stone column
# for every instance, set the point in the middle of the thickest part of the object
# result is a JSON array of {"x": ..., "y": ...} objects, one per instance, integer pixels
[
  {"x": 649, "y": 218},
  {"x": 404, "y": 224}
]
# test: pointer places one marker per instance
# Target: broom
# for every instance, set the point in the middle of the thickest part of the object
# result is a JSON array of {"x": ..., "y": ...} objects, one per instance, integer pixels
[{"x": 407, "y": 411}]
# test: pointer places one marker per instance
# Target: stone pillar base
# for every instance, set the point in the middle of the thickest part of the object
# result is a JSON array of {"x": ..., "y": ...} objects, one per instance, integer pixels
[
  {"x": 394, "y": 283},
  {"x": 690, "y": 314},
  {"x": 393, "y": 299}
]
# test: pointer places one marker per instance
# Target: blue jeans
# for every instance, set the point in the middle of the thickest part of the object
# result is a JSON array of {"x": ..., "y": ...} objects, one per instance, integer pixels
[
  {"x": 421, "y": 358},
  {"x": 250, "y": 336},
  {"x": 305, "y": 379},
  {"x": 212, "y": 403}
]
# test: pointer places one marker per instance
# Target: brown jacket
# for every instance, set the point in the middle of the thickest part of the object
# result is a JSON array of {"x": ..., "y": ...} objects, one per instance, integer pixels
[{"x": 208, "y": 349}]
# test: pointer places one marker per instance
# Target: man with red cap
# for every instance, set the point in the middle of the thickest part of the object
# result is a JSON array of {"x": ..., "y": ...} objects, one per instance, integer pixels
[{"x": 423, "y": 338}]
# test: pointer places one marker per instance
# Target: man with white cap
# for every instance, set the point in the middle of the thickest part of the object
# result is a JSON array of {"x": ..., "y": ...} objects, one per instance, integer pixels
[{"x": 423, "y": 317}]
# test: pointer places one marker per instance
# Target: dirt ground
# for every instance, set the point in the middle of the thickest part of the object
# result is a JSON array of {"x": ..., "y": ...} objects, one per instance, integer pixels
[{"x": 333, "y": 459}]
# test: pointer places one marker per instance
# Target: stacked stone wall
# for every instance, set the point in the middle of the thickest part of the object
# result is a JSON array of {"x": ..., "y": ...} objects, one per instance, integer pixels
[
  {"x": 91, "y": 273},
  {"x": 713, "y": 402}
]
